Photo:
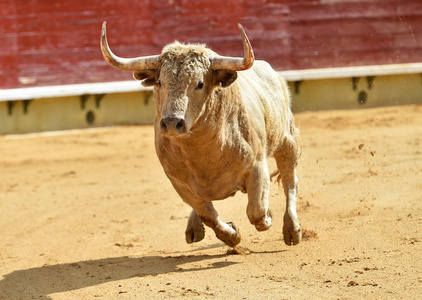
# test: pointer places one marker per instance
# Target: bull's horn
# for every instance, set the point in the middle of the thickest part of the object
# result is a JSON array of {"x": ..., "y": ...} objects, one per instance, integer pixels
[
  {"x": 235, "y": 63},
  {"x": 127, "y": 64}
]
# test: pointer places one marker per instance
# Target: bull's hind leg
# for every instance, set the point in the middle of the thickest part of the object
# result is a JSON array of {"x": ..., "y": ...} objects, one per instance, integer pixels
[
  {"x": 292, "y": 231},
  {"x": 258, "y": 186},
  {"x": 287, "y": 158}
]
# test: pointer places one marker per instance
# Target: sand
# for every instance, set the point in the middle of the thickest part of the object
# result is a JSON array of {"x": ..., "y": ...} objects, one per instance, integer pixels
[{"x": 90, "y": 214}]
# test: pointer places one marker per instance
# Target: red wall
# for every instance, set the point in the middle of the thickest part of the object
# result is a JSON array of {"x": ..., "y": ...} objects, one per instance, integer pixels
[{"x": 48, "y": 42}]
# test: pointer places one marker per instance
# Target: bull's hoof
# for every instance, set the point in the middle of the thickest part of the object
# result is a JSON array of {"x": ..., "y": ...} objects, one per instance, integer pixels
[
  {"x": 292, "y": 232},
  {"x": 195, "y": 231},
  {"x": 265, "y": 223},
  {"x": 235, "y": 240},
  {"x": 193, "y": 235},
  {"x": 292, "y": 236},
  {"x": 231, "y": 238}
]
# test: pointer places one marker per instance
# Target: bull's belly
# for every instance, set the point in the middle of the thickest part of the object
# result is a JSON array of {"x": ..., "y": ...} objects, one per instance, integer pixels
[
  {"x": 203, "y": 170},
  {"x": 210, "y": 189},
  {"x": 217, "y": 191}
]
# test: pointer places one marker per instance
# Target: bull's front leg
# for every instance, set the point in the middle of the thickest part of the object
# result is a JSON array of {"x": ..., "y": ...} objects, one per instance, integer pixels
[
  {"x": 226, "y": 232},
  {"x": 204, "y": 212},
  {"x": 258, "y": 186}
]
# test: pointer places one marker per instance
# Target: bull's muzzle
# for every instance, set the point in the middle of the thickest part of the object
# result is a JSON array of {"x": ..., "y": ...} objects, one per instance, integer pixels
[{"x": 173, "y": 125}]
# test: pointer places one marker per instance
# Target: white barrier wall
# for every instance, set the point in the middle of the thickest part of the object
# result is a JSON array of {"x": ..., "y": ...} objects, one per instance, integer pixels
[
  {"x": 357, "y": 92},
  {"x": 355, "y": 87},
  {"x": 94, "y": 105},
  {"x": 47, "y": 114}
]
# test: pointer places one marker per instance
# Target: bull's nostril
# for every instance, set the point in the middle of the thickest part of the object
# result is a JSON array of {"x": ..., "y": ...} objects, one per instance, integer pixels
[
  {"x": 180, "y": 125},
  {"x": 163, "y": 125},
  {"x": 172, "y": 125}
]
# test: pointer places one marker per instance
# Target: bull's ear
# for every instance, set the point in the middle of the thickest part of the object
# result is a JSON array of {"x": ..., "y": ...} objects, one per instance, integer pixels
[
  {"x": 225, "y": 77},
  {"x": 149, "y": 77}
]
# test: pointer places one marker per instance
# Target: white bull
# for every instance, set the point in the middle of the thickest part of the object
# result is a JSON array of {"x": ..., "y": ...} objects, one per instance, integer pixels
[{"x": 218, "y": 119}]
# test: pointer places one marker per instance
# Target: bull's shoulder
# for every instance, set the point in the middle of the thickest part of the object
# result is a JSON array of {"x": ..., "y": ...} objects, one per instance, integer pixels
[
  {"x": 262, "y": 84},
  {"x": 266, "y": 97}
]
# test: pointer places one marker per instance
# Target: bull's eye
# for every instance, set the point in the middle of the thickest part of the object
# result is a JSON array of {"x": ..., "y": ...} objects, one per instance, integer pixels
[{"x": 200, "y": 85}]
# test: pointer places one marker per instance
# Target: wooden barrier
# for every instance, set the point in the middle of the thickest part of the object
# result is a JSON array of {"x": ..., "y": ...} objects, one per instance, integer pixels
[{"x": 46, "y": 43}]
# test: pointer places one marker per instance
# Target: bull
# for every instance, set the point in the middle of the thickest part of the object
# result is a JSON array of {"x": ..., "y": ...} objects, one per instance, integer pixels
[{"x": 218, "y": 119}]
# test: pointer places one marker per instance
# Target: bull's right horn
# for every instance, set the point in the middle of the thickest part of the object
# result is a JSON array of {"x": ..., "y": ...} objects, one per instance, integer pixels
[
  {"x": 127, "y": 64},
  {"x": 236, "y": 63}
]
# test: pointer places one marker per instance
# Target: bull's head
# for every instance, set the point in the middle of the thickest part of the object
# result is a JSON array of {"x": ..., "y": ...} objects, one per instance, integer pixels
[{"x": 183, "y": 76}]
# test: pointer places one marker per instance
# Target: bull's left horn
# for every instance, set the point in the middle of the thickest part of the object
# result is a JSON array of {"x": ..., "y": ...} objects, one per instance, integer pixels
[
  {"x": 127, "y": 64},
  {"x": 235, "y": 63}
]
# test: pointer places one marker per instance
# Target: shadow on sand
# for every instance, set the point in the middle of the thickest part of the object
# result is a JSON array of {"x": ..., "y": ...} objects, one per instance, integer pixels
[{"x": 38, "y": 283}]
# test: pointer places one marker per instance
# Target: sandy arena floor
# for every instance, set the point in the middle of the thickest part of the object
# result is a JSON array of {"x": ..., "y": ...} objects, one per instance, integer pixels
[{"x": 90, "y": 214}]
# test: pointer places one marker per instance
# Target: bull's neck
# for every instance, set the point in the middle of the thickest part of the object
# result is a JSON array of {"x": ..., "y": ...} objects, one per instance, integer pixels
[
  {"x": 223, "y": 119},
  {"x": 223, "y": 109},
  {"x": 221, "y": 130}
]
